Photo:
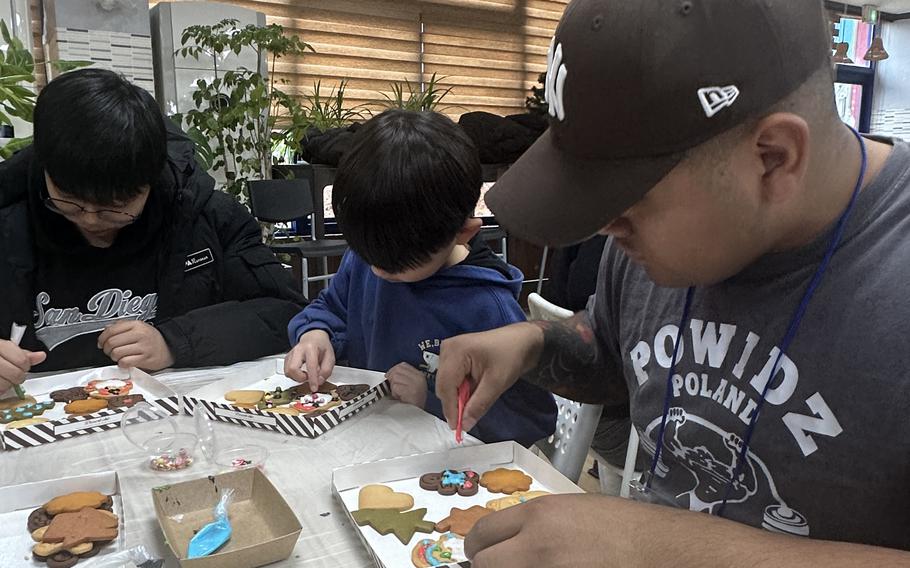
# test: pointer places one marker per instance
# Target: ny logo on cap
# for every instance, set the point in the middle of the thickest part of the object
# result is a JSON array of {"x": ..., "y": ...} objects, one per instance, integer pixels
[
  {"x": 715, "y": 99},
  {"x": 556, "y": 81}
]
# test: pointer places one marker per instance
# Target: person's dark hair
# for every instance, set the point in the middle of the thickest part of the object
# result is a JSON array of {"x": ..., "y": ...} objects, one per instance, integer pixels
[
  {"x": 405, "y": 188},
  {"x": 99, "y": 137}
]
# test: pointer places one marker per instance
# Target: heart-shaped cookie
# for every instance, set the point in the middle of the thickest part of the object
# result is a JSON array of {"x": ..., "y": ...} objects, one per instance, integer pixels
[{"x": 383, "y": 497}]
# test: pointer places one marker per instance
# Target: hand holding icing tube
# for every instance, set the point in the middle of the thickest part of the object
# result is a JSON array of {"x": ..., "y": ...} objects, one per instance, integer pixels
[{"x": 16, "y": 362}]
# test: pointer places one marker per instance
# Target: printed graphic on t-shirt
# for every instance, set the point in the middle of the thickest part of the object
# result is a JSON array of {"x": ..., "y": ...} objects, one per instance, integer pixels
[
  {"x": 698, "y": 457},
  {"x": 429, "y": 349},
  {"x": 55, "y": 326}
]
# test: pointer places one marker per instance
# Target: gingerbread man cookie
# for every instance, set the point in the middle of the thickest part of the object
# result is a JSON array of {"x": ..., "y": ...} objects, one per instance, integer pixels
[
  {"x": 502, "y": 480},
  {"x": 124, "y": 401},
  {"x": 461, "y": 521},
  {"x": 450, "y": 482},
  {"x": 350, "y": 392}
]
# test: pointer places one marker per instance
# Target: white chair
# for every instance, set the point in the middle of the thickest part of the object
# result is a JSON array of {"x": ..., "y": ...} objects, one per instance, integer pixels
[
  {"x": 567, "y": 448},
  {"x": 576, "y": 424}
]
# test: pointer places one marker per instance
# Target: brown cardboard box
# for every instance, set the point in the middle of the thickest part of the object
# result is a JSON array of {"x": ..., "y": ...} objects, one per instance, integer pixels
[{"x": 265, "y": 529}]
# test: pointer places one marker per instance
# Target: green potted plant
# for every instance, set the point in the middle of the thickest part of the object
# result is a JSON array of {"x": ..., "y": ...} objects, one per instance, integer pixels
[
  {"x": 17, "y": 68},
  {"x": 412, "y": 97},
  {"x": 241, "y": 110}
]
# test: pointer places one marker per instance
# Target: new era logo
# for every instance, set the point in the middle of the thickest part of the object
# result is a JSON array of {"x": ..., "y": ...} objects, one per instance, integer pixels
[
  {"x": 556, "y": 81},
  {"x": 715, "y": 99}
]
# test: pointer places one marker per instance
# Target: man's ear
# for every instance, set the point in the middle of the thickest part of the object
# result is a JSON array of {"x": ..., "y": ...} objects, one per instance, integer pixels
[
  {"x": 468, "y": 231},
  {"x": 781, "y": 142}
]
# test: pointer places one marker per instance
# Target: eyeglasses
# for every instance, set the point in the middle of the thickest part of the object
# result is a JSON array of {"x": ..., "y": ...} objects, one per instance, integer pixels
[{"x": 70, "y": 209}]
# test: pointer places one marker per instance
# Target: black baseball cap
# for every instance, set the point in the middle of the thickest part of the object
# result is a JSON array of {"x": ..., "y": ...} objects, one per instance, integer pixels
[{"x": 633, "y": 85}]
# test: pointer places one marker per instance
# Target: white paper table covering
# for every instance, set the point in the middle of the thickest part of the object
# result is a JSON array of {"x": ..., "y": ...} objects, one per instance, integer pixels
[{"x": 299, "y": 467}]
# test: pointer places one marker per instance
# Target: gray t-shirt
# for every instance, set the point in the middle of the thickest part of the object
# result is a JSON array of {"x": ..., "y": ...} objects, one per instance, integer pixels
[{"x": 830, "y": 456}]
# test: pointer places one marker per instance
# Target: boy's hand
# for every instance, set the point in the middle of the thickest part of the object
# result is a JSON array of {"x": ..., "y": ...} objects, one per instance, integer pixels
[
  {"x": 135, "y": 344},
  {"x": 15, "y": 362},
  {"x": 409, "y": 385},
  {"x": 311, "y": 360}
]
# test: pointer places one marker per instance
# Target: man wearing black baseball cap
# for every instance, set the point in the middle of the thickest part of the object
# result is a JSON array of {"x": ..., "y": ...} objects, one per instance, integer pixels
[{"x": 751, "y": 300}]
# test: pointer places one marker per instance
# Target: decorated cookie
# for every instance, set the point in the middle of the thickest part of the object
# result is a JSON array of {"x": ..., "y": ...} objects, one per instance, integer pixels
[
  {"x": 502, "y": 480},
  {"x": 87, "y": 525},
  {"x": 450, "y": 482},
  {"x": 303, "y": 389},
  {"x": 311, "y": 402},
  {"x": 104, "y": 388},
  {"x": 85, "y": 406},
  {"x": 350, "y": 392},
  {"x": 30, "y": 410},
  {"x": 69, "y": 395},
  {"x": 25, "y": 422},
  {"x": 244, "y": 398},
  {"x": 516, "y": 498},
  {"x": 275, "y": 398},
  {"x": 461, "y": 521},
  {"x": 124, "y": 401},
  {"x": 382, "y": 497},
  {"x": 74, "y": 502},
  {"x": 63, "y": 559},
  {"x": 37, "y": 519},
  {"x": 447, "y": 550},
  {"x": 15, "y": 402},
  {"x": 386, "y": 521}
]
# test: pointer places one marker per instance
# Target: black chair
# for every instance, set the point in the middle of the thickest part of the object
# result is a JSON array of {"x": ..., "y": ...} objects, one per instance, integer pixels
[{"x": 284, "y": 200}]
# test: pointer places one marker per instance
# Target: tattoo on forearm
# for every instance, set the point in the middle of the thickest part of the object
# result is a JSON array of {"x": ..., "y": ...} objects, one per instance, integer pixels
[{"x": 573, "y": 363}]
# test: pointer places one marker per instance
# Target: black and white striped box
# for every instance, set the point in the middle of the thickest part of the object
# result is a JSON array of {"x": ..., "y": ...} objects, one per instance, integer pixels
[
  {"x": 267, "y": 375},
  {"x": 61, "y": 426},
  {"x": 402, "y": 475}
]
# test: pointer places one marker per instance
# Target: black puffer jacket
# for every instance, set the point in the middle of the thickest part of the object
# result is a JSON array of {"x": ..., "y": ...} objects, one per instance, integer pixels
[{"x": 233, "y": 305}]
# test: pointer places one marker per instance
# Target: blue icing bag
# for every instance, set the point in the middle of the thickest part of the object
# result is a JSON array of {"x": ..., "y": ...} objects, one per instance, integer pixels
[{"x": 213, "y": 535}]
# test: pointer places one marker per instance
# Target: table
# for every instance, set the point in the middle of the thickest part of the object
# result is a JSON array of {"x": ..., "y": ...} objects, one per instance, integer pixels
[{"x": 300, "y": 468}]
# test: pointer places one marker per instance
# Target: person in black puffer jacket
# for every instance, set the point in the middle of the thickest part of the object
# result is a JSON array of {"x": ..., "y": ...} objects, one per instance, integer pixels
[{"x": 115, "y": 246}]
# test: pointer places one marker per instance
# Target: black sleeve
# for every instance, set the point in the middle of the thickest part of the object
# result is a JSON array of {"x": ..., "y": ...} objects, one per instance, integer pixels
[{"x": 259, "y": 299}]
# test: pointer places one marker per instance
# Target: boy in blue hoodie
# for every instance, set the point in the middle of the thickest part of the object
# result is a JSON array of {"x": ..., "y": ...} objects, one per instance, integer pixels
[{"x": 417, "y": 272}]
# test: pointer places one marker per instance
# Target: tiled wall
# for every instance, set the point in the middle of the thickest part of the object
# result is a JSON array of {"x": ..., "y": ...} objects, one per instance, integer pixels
[{"x": 129, "y": 54}]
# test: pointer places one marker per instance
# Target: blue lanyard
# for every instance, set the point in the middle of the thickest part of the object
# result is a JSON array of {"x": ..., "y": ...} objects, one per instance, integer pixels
[{"x": 784, "y": 345}]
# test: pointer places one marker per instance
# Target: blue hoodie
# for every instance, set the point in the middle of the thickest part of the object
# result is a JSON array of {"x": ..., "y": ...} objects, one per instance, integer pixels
[{"x": 375, "y": 324}]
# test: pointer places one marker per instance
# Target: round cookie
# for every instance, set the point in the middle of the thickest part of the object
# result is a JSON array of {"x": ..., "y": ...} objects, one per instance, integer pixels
[
  {"x": 37, "y": 519},
  {"x": 502, "y": 480},
  {"x": 63, "y": 559}
]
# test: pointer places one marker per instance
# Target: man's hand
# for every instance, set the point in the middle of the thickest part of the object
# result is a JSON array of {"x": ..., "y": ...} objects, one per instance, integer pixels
[
  {"x": 15, "y": 362},
  {"x": 409, "y": 385},
  {"x": 492, "y": 360},
  {"x": 311, "y": 360},
  {"x": 563, "y": 531},
  {"x": 135, "y": 344}
]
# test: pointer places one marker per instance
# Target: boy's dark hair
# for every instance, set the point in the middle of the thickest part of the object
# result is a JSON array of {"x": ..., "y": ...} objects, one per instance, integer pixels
[
  {"x": 99, "y": 137},
  {"x": 405, "y": 188}
]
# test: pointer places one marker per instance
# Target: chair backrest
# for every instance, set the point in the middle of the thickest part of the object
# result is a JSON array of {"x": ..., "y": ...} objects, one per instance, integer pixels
[
  {"x": 280, "y": 200},
  {"x": 567, "y": 448}
]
